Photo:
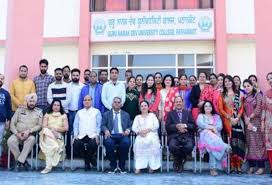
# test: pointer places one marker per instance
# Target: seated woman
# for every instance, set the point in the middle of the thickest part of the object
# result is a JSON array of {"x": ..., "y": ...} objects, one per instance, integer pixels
[
  {"x": 51, "y": 137},
  {"x": 147, "y": 144},
  {"x": 210, "y": 126}
]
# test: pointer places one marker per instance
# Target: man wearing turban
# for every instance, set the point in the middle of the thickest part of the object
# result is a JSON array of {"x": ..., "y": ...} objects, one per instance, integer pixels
[{"x": 25, "y": 122}]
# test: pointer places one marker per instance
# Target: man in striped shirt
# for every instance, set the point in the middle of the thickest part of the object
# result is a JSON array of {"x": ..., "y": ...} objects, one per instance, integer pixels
[{"x": 59, "y": 90}]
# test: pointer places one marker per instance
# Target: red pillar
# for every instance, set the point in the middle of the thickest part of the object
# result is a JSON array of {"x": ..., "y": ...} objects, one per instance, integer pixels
[
  {"x": 84, "y": 36},
  {"x": 263, "y": 30},
  {"x": 188, "y": 4},
  {"x": 116, "y": 5},
  {"x": 220, "y": 36},
  {"x": 24, "y": 36}
]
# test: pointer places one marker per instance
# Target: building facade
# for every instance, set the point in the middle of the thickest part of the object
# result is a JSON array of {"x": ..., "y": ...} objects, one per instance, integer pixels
[{"x": 146, "y": 36}]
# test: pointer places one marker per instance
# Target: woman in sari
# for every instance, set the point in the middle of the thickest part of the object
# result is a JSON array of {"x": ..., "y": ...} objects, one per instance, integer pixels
[
  {"x": 254, "y": 80},
  {"x": 254, "y": 132},
  {"x": 200, "y": 92},
  {"x": 139, "y": 82},
  {"x": 184, "y": 91},
  {"x": 237, "y": 82},
  {"x": 217, "y": 88},
  {"x": 192, "y": 81},
  {"x": 168, "y": 94},
  {"x": 55, "y": 124},
  {"x": 210, "y": 126},
  {"x": 231, "y": 109},
  {"x": 151, "y": 94},
  {"x": 147, "y": 144},
  {"x": 267, "y": 120}
]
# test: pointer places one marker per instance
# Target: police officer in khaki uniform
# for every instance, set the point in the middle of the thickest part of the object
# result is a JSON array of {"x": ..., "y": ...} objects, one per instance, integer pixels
[{"x": 26, "y": 121}]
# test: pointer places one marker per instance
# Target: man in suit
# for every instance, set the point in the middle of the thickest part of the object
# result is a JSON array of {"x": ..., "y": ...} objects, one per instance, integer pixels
[
  {"x": 116, "y": 126},
  {"x": 180, "y": 128}
]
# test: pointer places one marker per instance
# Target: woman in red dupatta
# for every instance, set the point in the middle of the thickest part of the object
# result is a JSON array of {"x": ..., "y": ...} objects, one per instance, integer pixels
[{"x": 200, "y": 92}]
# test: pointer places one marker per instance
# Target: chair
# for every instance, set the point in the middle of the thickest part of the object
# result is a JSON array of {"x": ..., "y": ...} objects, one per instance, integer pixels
[
  {"x": 32, "y": 154},
  {"x": 165, "y": 145},
  {"x": 72, "y": 153},
  {"x": 103, "y": 152}
]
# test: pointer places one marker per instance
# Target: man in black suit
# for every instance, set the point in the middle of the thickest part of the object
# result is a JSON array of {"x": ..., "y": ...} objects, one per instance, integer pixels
[
  {"x": 116, "y": 126},
  {"x": 180, "y": 128}
]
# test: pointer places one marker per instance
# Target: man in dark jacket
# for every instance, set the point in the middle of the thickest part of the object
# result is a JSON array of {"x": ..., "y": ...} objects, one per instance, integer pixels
[{"x": 180, "y": 128}]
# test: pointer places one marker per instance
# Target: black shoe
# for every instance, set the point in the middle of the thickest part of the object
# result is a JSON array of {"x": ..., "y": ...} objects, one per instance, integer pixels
[
  {"x": 26, "y": 166},
  {"x": 87, "y": 167},
  {"x": 112, "y": 171},
  {"x": 93, "y": 162},
  {"x": 122, "y": 170},
  {"x": 18, "y": 166}
]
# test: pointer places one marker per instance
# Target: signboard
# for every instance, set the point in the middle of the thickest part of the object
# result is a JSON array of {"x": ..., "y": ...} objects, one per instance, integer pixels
[{"x": 146, "y": 26}]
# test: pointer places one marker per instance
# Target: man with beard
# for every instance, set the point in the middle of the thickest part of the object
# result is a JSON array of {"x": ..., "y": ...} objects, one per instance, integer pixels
[
  {"x": 59, "y": 90},
  {"x": 75, "y": 88},
  {"x": 5, "y": 110},
  {"x": 25, "y": 122},
  {"x": 87, "y": 73},
  {"x": 42, "y": 81},
  {"x": 66, "y": 74},
  {"x": 20, "y": 88},
  {"x": 103, "y": 76}
]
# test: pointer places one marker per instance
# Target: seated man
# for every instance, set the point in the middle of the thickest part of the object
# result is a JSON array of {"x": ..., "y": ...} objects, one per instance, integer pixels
[
  {"x": 180, "y": 129},
  {"x": 25, "y": 122},
  {"x": 86, "y": 132},
  {"x": 116, "y": 126}
]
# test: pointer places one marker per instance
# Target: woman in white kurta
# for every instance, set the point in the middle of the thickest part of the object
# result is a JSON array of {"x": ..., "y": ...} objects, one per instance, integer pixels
[{"x": 147, "y": 144}]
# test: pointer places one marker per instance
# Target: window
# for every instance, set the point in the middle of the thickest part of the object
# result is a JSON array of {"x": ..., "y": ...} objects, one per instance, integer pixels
[
  {"x": 144, "y": 64},
  {"x": 169, "y": 4},
  {"x": 205, "y": 3},
  {"x": 97, "y": 5},
  {"x": 134, "y": 4}
]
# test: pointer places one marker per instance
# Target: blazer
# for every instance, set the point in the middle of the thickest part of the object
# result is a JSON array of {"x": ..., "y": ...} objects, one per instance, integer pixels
[
  {"x": 107, "y": 121},
  {"x": 173, "y": 120}
]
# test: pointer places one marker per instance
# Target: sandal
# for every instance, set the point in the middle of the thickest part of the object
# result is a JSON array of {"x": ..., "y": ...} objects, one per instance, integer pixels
[
  {"x": 250, "y": 171},
  {"x": 260, "y": 171}
]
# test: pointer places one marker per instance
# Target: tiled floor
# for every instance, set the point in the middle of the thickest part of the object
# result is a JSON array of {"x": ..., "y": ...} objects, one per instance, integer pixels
[{"x": 58, "y": 177}]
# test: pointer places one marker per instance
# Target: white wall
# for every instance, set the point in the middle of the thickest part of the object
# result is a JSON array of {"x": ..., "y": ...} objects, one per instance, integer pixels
[
  {"x": 152, "y": 47},
  {"x": 3, "y": 18},
  {"x": 60, "y": 55},
  {"x": 240, "y": 15},
  {"x": 242, "y": 58},
  {"x": 61, "y": 18}
]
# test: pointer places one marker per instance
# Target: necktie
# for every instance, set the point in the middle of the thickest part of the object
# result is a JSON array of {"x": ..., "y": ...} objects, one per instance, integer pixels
[
  {"x": 115, "y": 123},
  {"x": 180, "y": 115}
]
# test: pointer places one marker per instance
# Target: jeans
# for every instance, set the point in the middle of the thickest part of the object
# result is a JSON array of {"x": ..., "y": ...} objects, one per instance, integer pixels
[{"x": 2, "y": 130}]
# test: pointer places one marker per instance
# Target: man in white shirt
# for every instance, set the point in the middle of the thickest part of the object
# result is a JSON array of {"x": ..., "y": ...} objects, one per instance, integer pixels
[
  {"x": 86, "y": 132},
  {"x": 113, "y": 88}
]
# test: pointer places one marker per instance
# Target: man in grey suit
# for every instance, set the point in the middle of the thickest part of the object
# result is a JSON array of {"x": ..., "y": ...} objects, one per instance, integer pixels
[
  {"x": 180, "y": 128},
  {"x": 116, "y": 126}
]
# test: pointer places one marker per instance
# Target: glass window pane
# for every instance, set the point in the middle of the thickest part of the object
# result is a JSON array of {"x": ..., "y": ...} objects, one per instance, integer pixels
[
  {"x": 186, "y": 60},
  {"x": 204, "y": 60},
  {"x": 208, "y": 71},
  {"x": 97, "y": 71},
  {"x": 146, "y": 72},
  {"x": 187, "y": 71},
  {"x": 151, "y": 60},
  {"x": 117, "y": 61},
  {"x": 100, "y": 61}
]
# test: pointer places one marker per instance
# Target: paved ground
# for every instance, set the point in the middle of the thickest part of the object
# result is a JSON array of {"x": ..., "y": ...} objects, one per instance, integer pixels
[{"x": 97, "y": 178}]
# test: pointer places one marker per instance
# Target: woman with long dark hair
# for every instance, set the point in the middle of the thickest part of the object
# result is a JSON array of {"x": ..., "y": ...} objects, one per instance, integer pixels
[
  {"x": 151, "y": 95},
  {"x": 55, "y": 123},
  {"x": 231, "y": 108},
  {"x": 210, "y": 126},
  {"x": 185, "y": 91},
  {"x": 254, "y": 132}
]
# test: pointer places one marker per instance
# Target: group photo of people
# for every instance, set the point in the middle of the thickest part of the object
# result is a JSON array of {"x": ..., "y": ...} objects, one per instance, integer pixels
[{"x": 138, "y": 124}]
